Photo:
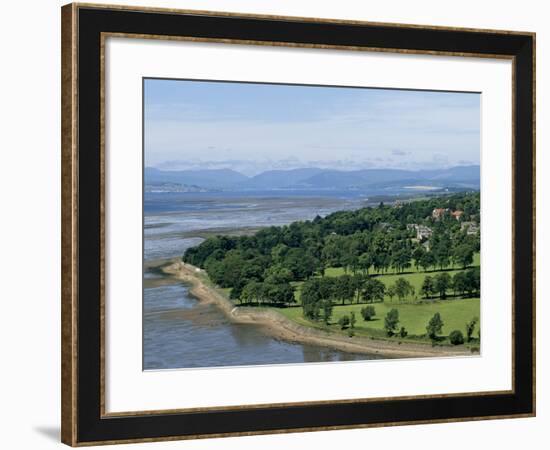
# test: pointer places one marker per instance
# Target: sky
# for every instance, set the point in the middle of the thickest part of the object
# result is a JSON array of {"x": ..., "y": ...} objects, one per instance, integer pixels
[{"x": 256, "y": 127}]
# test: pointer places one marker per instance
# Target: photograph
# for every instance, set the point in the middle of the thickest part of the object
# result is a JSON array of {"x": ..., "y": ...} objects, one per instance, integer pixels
[
  {"x": 287, "y": 221},
  {"x": 293, "y": 224}
]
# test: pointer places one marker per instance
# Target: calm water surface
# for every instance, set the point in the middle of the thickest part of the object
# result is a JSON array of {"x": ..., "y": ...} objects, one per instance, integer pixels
[{"x": 178, "y": 331}]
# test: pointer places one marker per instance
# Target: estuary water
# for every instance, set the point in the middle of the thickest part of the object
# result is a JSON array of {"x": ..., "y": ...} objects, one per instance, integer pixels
[{"x": 178, "y": 331}]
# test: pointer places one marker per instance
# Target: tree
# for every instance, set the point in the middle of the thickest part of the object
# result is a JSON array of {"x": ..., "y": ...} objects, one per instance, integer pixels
[
  {"x": 365, "y": 262},
  {"x": 345, "y": 288},
  {"x": 278, "y": 253},
  {"x": 352, "y": 320},
  {"x": 460, "y": 283},
  {"x": 472, "y": 281},
  {"x": 428, "y": 287},
  {"x": 427, "y": 260},
  {"x": 237, "y": 290},
  {"x": 442, "y": 282},
  {"x": 310, "y": 298},
  {"x": 368, "y": 312},
  {"x": 470, "y": 326},
  {"x": 463, "y": 255},
  {"x": 418, "y": 253},
  {"x": 328, "y": 288},
  {"x": 373, "y": 290},
  {"x": 301, "y": 264},
  {"x": 435, "y": 325},
  {"x": 357, "y": 281},
  {"x": 277, "y": 274},
  {"x": 282, "y": 293},
  {"x": 327, "y": 310},
  {"x": 343, "y": 322},
  {"x": 401, "y": 257},
  {"x": 390, "y": 322},
  {"x": 390, "y": 291},
  {"x": 442, "y": 247},
  {"x": 403, "y": 288},
  {"x": 403, "y": 332},
  {"x": 456, "y": 337},
  {"x": 333, "y": 251}
]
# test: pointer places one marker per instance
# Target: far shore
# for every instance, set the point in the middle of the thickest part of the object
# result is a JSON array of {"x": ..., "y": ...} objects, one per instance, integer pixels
[{"x": 283, "y": 328}]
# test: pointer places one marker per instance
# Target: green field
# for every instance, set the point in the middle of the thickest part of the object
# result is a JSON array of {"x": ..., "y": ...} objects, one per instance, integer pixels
[
  {"x": 411, "y": 275},
  {"x": 414, "y": 312},
  {"x": 414, "y": 317}
]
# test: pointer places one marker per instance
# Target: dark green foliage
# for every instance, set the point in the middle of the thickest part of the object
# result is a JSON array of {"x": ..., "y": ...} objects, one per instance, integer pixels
[
  {"x": 373, "y": 290},
  {"x": 237, "y": 290},
  {"x": 442, "y": 282},
  {"x": 418, "y": 254},
  {"x": 456, "y": 337},
  {"x": 390, "y": 291},
  {"x": 403, "y": 332},
  {"x": 470, "y": 326},
  {"x": 460, "y": 283},
  {"x": 352, "y": 320},
  {"x": 401, "y": 255},
  {"x": 345, "y": 288},
  {"x": 403, "y": 288},
  {"x": 391, "y": 321},
  {"x": 427, "y": 261},
  {"x": 253, "y": 292},
  {"x": 435, "y": 326},
  {"x": 281, "y": 293},
  {"x": 277, "y": 273},
  {"x": 343, "y": 322},
  {"x": 311, "y": 298},
  {"x": 368, "y": 312},
  {"x": 473, "y": 280},
  {"x": 464, "y": 255},
  {"x": 198, "y": 255},
  {"x": 327, "y": 310},
  {"x": 428, "y": 287},
  {"x": 358, "y": 241}
]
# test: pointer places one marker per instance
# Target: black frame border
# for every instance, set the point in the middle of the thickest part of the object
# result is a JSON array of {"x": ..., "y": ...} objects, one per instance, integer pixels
[{"x": 91, "y": 425}]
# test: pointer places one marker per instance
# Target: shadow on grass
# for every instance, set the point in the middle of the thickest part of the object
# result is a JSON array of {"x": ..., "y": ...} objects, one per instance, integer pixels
[{"x": 411, "y": 272}]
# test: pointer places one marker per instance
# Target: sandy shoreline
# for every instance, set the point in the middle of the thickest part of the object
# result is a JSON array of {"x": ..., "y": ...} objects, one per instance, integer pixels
[{"x": 283, "y": 328}]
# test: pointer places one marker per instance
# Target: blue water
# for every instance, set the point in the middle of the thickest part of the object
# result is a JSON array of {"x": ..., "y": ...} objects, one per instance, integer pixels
[{"x": 178, "y": 331}]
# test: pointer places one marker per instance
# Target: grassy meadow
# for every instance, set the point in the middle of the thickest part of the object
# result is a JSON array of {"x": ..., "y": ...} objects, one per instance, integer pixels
[
  {"x": 414, "y": 317},
  {"x": 414, "y": 313}
]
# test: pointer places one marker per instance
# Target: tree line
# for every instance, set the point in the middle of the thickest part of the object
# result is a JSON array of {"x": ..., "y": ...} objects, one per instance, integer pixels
[
  {"x": 360, "y": 241},
  {"x": 319, "y": 295}
]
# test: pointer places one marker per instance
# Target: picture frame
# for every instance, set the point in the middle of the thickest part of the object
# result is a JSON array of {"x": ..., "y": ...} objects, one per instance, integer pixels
[{"x": 85, "y": 420}]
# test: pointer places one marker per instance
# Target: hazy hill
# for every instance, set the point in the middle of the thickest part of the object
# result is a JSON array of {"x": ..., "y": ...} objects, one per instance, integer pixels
[
  {"x": 314, "y": 178},
  {"x": 355, "y": 179},
  {"x": 273, "y": 179},
  {"x": 210, "y": 179}
]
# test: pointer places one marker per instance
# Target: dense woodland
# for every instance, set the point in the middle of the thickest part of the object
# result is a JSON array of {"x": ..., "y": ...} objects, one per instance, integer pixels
[{"x": 262, "y": 268}]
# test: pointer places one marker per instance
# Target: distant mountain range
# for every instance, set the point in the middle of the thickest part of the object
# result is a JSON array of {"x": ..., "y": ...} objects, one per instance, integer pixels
[
  {"x": 173, "y": 187},
  {"x": 459, "y": 177},
  {"x": 209, "y": 179}
]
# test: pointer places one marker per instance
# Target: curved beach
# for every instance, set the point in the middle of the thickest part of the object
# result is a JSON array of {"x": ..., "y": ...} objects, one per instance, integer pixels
[{"x": 283, "y": 328}]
